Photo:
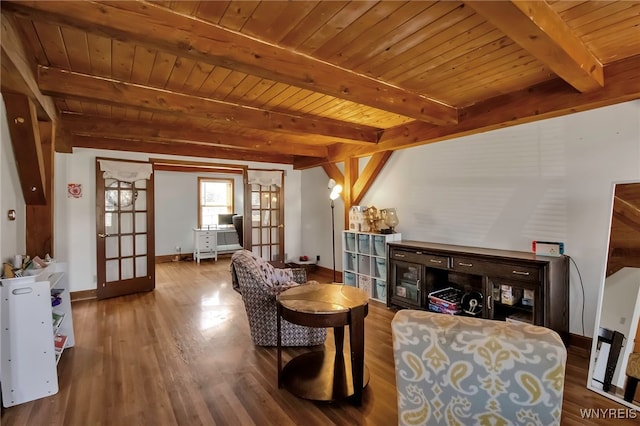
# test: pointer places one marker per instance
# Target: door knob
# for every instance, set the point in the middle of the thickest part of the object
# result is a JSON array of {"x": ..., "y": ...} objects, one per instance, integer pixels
[{"x": 100, "y": 235}]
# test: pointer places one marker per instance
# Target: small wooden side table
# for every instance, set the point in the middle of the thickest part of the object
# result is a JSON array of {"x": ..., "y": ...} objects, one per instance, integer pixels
[{"x": 325, "y": 375}]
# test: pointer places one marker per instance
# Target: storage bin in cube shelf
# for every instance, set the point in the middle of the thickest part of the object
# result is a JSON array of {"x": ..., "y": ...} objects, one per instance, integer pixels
[
  {"x": 381, "y": 268},
  {"x": 350, "y": 261},
  {"x": 364, "y": 284},
  {"x": 380, "y": 289},
  {"x": 379, "y": 246},
  {"x": 349, "y": 279},
  {"x": 364, "y": 264},
  {"x": 364, "y": 244},
  {"x": 350, "y": 241}
]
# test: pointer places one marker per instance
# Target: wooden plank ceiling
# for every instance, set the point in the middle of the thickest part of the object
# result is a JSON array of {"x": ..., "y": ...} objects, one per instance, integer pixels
[{"x": 311, "y": 83}]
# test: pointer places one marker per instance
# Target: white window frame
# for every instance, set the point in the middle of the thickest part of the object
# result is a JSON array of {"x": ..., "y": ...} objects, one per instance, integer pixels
[{"x": 201, "y": 206}]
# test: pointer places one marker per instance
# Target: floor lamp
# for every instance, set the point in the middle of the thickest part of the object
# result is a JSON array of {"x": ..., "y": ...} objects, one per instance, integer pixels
[{"x": 333, "y": 195}]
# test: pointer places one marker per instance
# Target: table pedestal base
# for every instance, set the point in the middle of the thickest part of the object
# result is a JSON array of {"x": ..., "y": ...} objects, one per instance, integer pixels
[{"x": 321, "y": 376}]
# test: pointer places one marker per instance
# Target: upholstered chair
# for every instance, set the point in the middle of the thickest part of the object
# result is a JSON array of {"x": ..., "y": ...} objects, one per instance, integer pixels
[
  {"x": 454, "y": 370},
  {"x": 259, "y": 283}
]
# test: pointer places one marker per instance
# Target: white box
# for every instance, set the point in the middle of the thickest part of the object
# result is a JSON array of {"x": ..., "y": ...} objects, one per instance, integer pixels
[
  {"x": 544, "y": 249},
  {"x": 356, "y": 219}
]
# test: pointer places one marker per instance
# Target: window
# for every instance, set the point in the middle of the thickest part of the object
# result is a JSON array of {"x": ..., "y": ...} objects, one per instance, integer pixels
[{"x": 215, "y": 196}]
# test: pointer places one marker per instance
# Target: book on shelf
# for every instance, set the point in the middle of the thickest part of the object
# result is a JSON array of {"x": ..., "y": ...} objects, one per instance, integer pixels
[
  {"x": 59, "y": 342},
  {"x": 444, "y": 303},
  {"x": 443, "y": 310},
  {"x": 57, "y": 319}
]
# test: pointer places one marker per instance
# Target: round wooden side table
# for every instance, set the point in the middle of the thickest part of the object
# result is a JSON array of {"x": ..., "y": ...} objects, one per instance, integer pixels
[{"x": 325, "y": 375}]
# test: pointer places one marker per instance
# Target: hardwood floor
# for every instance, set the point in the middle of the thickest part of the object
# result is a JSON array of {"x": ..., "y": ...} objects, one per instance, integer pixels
[{"x": 182, "y": 355}]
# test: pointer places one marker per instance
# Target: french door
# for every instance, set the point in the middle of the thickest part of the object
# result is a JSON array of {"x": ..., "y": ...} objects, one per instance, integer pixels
[
  {"x": 266, "y": 227},
  {"x": 125, "y": 234}
]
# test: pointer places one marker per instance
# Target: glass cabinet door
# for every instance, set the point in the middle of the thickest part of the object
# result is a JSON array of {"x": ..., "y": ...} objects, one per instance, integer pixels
[{"x": 406, "y": 283}]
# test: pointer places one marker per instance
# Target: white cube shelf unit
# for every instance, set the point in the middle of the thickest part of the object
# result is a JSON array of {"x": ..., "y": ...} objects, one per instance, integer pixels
[{"x": 364, "y": 261}]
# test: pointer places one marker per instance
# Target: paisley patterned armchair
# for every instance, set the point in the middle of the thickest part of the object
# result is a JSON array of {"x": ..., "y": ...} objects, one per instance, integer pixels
[
  {"x": 259, "y": 282},
  {"x": 453, "y": 370}
]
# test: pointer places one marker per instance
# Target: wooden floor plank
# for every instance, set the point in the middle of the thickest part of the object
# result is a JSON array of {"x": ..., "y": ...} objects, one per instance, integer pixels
[{"x": 182, "y": 355}]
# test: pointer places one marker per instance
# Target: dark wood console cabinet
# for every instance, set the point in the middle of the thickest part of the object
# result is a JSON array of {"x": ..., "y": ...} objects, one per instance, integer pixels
[{"x": 509, "y": 285}]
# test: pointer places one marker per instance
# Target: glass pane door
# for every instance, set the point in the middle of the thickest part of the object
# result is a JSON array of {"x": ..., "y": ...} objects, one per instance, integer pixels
[
  {"x": 124, "y": 221},
  {"x": 267, "y": 228},
  {"x": 407, "y": 282}
]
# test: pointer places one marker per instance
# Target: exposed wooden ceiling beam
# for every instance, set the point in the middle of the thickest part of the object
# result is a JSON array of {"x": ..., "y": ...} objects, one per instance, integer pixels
[
  {"x": 39, "y": 218},
  {"x": 25, "y": 139},
  {"x": 166, "y": 164},
  {"x": 334, "y": 173},
  {"x": 18, "y": 71},
  {"x": 540, "y": 31},
  {"x": 160, "y": 28},
  {"x": 303, "y": 163},
  {"x": 351, "y": 173},
  {"x": 368, "y": 176},
  {"x": 355, "y": 185},
  {"x": 628, "y": 212},
  {"x": 182, "y": 149},
  {"x": 546, "y": 100},
  {"x": 109, "y": 127},
  {"x": 59, "y": 82},
  {"x": 194, "y": 169}
]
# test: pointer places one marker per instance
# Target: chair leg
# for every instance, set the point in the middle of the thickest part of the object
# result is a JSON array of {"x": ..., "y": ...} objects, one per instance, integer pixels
[{"x": 630, "y": 389}]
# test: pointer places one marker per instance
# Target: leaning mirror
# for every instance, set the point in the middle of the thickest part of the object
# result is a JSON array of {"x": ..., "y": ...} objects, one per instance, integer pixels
[{"x": 614, "y": 370}]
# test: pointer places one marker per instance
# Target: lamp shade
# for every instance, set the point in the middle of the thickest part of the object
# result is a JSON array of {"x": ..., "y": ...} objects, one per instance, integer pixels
[{"x": 335, "y": 192}]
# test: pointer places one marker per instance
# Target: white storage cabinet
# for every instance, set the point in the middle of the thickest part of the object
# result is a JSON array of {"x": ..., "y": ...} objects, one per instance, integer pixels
[
  {"x": 30, "y": 325},
  {"x": 208, "y": 243},
  {"x": 204, "y": 244}
]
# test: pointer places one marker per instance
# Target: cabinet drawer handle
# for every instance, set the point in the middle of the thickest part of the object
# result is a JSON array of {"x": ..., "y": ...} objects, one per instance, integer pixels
[
  {"x": 520, "y": 273},
  {"x": 489, "y": 302},
  {"x": 465, "y": 264},
  {"x": 435, "y": 261},
  {"x": 399, "y": 255},
  {"x": 418, "y": 252}
]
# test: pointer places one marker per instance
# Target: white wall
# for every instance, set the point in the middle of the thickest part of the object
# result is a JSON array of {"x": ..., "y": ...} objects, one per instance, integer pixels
[
  {"x": 548, "y": 180},
  {"x": 316, "y": 219},
  {"x": 176, "y": 208},
  {"x": 75, "y": 228},
  {"x": 12, "y": 233}
]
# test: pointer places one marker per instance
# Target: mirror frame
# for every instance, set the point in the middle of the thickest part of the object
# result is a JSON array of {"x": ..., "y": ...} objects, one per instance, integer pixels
[{"x": 598, "y": 317}]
